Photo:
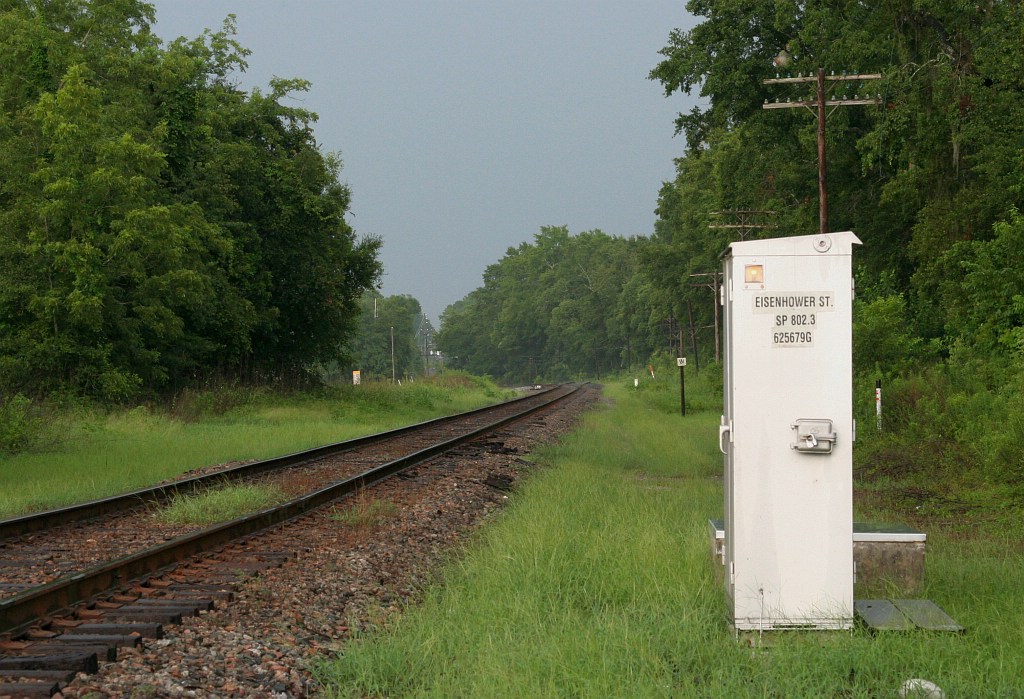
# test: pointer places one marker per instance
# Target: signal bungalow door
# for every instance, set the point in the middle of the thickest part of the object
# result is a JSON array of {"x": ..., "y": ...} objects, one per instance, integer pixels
[{"x": 788, "y": 431}]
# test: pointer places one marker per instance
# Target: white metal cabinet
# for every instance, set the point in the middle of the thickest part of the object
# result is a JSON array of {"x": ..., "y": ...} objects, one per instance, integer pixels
[{"x": 787, "y": 432}]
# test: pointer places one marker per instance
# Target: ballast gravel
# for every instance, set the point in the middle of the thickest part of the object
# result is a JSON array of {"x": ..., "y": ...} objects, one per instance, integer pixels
[{"x": 352, "y": 572}]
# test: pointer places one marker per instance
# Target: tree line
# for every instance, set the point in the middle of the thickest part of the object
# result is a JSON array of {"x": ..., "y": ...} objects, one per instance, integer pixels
[
  {"x": 561, "y": 306},
  {"x": 929, "y": 179},
  {"x": 159, "y": 225},
  {"x": 394, "y": 340}
]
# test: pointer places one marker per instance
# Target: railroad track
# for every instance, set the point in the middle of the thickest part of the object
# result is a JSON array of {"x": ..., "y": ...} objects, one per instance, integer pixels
[{"x": 64, "y": 605}]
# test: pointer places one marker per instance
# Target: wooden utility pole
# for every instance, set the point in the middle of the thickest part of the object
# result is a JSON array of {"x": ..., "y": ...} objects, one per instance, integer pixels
[
  {"x": 821, "y": 103},
  {"x": 713, "y": 283},
  {"x": 693, "y": 338},
  {"x": 742, "y": 221}
]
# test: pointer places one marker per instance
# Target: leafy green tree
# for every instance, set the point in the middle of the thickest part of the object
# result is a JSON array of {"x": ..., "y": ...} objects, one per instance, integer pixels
[
  {"x": 386, "y": 342},
  {"x": 932, "y": 166},
  {"x": 159, "y": 225},
  {"x": 104, "y": 272},
  {"x": 255, "y": 167},
  {"x": 986, "y": 309},
  {"x": 561, "y": 306},
  {"x": 463, "y": 341}
]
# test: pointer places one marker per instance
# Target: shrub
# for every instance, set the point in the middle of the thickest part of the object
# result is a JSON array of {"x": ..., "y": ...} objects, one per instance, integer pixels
[
  {"x": 19, "y": 428},
  {"x": 195, "y": 403}
]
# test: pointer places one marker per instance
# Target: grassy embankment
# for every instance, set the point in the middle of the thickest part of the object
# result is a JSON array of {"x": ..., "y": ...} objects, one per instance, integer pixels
[
  {"x": 598, "y": 581},
  {"x": 84, "y": 454}
]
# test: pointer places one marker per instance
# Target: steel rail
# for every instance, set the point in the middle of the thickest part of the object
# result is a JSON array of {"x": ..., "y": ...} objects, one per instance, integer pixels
[
  {"x": 22, "y": 611},
  {"x": 40, "y": 521}
]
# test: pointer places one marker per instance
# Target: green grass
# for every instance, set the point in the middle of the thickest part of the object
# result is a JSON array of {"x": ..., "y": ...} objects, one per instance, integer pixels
[
  {"x": 597, "y": 581},
  {"x": 91, "y": 455},
  {"x": 362, "y": 511},
  {"x": 219, "y": 505}
]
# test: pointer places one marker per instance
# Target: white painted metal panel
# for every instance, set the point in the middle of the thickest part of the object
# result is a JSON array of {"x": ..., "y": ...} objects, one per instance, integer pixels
[{"x": 788, "y": 431}]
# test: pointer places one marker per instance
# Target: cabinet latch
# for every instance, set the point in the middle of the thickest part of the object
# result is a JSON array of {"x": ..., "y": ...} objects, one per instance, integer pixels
[{"x": 814, "y": 436}]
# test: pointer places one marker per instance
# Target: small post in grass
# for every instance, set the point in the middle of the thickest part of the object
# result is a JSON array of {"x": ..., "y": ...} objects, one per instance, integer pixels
[
  {"x": 681, "y": 363},
  {"x": 878, "y": 404}
]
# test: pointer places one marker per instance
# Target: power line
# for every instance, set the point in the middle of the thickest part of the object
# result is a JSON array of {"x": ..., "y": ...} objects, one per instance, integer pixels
[{"x": 744, "y": 221}]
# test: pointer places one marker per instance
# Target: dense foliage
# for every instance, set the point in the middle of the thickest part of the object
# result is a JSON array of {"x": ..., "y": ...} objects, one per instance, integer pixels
[
  {"x": 158, "y": 224},
  {"x": 559, "y": 307},
  {"x": 393, "y": 340},
  {"x": 926, "y": 180},
  {"x": 930, "y": 180}
]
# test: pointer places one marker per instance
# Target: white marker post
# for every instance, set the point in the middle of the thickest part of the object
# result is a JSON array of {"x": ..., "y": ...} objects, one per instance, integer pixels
[
  {"x": 681, "y": 363},
  {"x": 878, "y": 404}
]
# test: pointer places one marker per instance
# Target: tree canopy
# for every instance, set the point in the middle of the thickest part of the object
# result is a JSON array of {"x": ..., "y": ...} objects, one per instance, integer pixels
[
  {"x": 929, "y": 179},
  {"x": 392, "y": 339},
  {"x": 157, "y": 223},
  {"x": 559, "y": 307}
]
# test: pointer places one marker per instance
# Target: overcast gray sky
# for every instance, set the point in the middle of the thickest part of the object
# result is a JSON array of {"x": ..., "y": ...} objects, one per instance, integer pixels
[{"x": 466, "y": 125}]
